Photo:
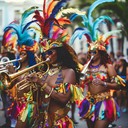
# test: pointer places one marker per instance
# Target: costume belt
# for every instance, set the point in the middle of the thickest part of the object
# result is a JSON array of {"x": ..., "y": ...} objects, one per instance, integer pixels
[{"x": 93, "y": 99}]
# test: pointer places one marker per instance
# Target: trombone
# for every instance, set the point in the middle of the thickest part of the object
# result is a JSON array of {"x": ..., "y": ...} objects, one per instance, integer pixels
[{"x": 8, "y": 78}]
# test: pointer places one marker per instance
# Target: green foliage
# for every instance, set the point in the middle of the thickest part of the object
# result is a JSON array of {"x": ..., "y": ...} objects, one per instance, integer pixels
[{"x": 116, "y": 10}]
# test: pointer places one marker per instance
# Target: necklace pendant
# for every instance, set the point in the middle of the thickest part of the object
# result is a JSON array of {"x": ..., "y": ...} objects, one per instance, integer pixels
[{"x": 53, "y": 71}]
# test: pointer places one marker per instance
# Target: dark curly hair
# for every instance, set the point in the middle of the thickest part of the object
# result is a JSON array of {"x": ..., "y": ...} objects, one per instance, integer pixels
[
  {"x": 105, "y": 58},
  {"x": 66, "y": 59}
]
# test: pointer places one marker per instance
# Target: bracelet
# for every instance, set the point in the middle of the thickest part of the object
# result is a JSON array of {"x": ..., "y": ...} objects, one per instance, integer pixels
[
  {"x": 48, "y": 95},
  {"x": 43, "y": 87},
  {"x": 105, "y": 84}
]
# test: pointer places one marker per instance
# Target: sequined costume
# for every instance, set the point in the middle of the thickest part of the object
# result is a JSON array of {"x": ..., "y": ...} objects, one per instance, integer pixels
[{"x": 100, "y": 106}]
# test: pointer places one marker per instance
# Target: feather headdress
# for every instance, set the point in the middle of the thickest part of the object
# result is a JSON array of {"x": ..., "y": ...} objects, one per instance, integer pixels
[
  {"x": 95, "y": 38},
  {"x": 18, "y": 34},
  {"x": 51, "y": 23}
]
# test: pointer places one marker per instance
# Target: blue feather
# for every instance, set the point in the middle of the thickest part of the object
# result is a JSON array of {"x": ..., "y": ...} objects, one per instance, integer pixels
[
  {"x": 28, "y": 42},
  {"x": 94, "y": 5},
  {"x": 73, "y": 16},
  {"x": 85, "y": 32},
  {"x": 27, "y": 13},
  {"x": 28, "y": 24},
  {"x": 25, "y": 39},
  {"x": 85, "y": 20},
  {"x": 97, "y": 22},
  {"x": 73, "y": 38},
  {"x": 16, "y": 27},
  {"x": 78, "y": 29},
  {"x": 57, "y": 8},
  {"x": 78, "y": 33}
]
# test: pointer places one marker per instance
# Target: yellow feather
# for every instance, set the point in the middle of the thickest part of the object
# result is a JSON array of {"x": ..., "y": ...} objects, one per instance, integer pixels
[{"x": 69, "y": 11}]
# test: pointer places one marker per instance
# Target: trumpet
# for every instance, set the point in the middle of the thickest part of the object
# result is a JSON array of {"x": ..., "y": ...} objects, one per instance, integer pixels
[
  {"x": 83, "y": 72},
  {"x": 4, "y": 61},
  {"x": 8, "y": 78},
  {"x": 8, "y": 61}
]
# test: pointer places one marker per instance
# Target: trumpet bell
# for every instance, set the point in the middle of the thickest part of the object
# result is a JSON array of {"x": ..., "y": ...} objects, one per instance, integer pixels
[
  {"x": 8, "y": 78},
  {"x": 4, "y": 59}
]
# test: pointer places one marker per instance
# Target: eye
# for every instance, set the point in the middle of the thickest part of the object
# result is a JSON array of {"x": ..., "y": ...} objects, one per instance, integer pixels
[
  {"x": 49, "y": 52},
  {"x": 92, "y": 52}
]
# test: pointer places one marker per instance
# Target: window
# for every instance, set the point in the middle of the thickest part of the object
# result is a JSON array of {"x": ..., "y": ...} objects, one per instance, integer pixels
[{"x": 17, "y": 15}]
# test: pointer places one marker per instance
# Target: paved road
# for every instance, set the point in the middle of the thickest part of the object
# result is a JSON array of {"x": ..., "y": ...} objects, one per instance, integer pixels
[{"x": 123, "y": 121}]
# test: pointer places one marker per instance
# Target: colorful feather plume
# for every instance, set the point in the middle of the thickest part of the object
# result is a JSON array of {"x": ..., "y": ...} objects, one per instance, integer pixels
[
  {"x": 49, "y": 19},
  {"x": 21, "y": 30},
  {"x": 91, "y": 27}
]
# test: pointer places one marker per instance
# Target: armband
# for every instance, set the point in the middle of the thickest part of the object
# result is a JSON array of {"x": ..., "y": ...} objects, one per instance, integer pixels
[
  {"x": 76, "y": 92},
  {"x": 117, "y": 79}
]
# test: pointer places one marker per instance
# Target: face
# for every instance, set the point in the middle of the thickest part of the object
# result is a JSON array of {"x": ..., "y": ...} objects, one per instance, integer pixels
[
  {"x": 23, "y": 55},
  {"x": 94, "y": 53},
  {"x": 51, "y": 54}
]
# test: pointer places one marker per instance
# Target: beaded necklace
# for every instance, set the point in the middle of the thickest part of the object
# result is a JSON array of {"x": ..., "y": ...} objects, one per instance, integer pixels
[{"x": 95, "y": 68}]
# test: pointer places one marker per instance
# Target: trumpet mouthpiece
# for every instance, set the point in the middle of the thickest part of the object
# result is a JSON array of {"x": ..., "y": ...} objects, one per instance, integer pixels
[
  {"x": 48, "y": 59},
  {"x": 92, "y": 57}
]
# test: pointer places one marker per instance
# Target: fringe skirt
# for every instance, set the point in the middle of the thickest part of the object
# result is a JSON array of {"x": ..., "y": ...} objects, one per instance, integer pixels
[{"x": 99, "y": 107}]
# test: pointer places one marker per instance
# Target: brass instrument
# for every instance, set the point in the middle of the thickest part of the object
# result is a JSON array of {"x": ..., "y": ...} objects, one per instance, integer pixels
[
  {"x": 4, "y": 61},
  {"x": 9, "y": 78},
  {"x": 8, "y": 61},
  {"x": 83, "y": 72}
]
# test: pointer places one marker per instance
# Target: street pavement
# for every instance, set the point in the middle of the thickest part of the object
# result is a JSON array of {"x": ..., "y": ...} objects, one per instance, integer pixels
[{"x": 122, "y": 122}]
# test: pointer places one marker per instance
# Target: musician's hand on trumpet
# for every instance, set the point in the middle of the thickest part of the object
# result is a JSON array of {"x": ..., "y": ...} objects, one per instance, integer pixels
[{"x": 34, "y": 78}]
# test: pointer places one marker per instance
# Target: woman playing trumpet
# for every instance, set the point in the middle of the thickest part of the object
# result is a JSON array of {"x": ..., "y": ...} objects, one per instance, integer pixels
[
  {"x": 20, "y": 100},
  {"x": 57, "y": 85},
  {"x": 17, "y": 37}
]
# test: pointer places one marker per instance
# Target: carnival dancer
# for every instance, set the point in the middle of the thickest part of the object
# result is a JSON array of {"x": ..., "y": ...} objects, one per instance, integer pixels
[
  {"x": 17, "y": 36},
  {"x": 98, "y": 107}
]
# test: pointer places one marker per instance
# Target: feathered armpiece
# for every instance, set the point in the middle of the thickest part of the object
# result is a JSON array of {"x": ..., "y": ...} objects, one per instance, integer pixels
[
  {"x": 117, "y": 79},
  {"x": 76, "y": 92}
]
